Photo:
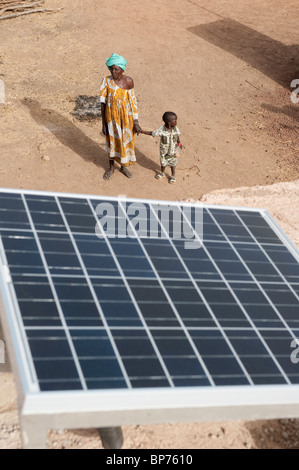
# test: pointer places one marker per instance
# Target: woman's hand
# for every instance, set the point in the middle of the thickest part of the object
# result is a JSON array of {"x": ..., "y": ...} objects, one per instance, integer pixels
[
  {"x": 105, "y": 128},
  {"x": 137, "y": 129},
  {"x": 104, "y": 123}
]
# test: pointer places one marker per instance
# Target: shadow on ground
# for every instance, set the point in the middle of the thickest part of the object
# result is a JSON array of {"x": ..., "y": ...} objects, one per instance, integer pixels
[
  {"x": 274, "y": 434},
  {"x": 67, "y": 133},
  {"x": 74, "y": 138},
  {"x": 291, "y": 111},
  {"x": 274, "y": 59}
]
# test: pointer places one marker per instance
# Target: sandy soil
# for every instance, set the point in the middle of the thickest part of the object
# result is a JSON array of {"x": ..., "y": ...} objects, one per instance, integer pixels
[{"x": 225, "y": 67}]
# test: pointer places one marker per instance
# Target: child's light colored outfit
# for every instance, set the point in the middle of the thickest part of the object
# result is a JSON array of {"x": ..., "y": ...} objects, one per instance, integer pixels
[{"x": 168, "y": 145}]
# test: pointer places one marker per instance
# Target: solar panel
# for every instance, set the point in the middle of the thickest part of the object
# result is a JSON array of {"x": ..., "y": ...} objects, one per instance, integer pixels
[{"x": 124, "y": 311}]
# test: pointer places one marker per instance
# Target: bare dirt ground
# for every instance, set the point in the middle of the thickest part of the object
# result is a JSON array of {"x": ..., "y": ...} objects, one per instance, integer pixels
[{"x": 225, "y": 67}]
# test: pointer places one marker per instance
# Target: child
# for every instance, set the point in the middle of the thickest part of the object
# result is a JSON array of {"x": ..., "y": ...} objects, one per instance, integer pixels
[{"x": 169, "y": 141}]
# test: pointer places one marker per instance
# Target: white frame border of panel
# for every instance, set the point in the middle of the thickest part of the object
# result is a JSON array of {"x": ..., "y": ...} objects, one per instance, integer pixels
[{"x": 42, "y": 411}]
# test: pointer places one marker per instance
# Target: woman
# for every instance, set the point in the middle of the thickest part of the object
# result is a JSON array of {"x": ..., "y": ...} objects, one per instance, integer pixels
[{"x": 119, "y": 116}]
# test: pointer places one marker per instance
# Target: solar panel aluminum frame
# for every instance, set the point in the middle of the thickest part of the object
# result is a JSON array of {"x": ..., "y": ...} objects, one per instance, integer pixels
[{"x": 41, "y": 411}]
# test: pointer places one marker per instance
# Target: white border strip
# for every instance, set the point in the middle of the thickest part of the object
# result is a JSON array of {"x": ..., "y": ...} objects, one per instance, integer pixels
[{"x": 158, "y": 405}]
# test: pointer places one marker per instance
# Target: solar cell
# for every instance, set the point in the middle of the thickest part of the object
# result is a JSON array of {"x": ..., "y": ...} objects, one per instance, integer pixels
[{"x": 128, "y": 311}]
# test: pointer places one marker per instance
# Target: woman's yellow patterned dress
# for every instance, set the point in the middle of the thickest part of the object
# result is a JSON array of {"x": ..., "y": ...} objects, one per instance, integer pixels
[{"x": 121, "y": 110}]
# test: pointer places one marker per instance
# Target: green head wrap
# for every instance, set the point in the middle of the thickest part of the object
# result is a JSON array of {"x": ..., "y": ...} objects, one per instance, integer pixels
[{"x": 116, "y": 60}]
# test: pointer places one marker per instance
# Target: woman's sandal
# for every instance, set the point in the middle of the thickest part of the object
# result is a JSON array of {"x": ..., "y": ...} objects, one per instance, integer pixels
[
  {"x": 160, "y": 175},
  {"x": 172, "y": 180}
]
